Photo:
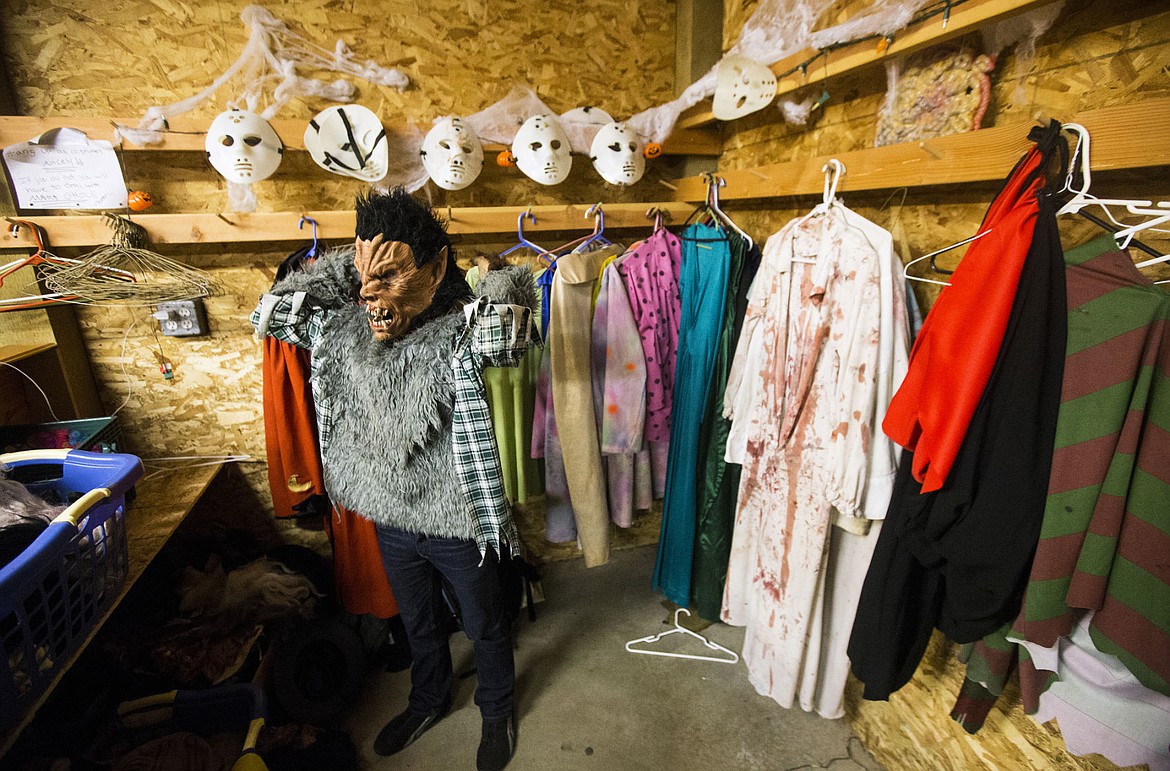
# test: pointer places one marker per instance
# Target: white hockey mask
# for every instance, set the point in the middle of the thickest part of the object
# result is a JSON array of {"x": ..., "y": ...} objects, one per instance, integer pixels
[
  {"x": 541, "y": 148},
  {"x": 742, "y": 86},
  {"x": 452, "y": 154},
  {"x": 617, "y": 154},
  {"x": 243, "y": 147},
  {"x": 348, "y": 140}
]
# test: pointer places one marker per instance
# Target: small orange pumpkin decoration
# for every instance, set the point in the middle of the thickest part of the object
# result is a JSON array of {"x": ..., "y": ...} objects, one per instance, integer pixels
[
  {"x": 652, "y": 150},
  {"x": 505, "y": 159},
  {"x": 139, "y": 200}
]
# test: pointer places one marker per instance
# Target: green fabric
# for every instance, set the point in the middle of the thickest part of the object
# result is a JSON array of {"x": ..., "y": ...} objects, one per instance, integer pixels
[
  {"x": 720, "y": 481},
  {"x": 1106, "y": 510},
  {"x": 511, "y": 394}
]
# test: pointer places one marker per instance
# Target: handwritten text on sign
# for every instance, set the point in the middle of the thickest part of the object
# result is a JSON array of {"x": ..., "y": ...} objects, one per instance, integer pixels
[{"x": 65, "y": 171}]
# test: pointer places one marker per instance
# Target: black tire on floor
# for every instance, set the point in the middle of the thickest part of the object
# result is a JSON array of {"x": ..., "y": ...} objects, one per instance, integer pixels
[{"x": 319, "y": 672}]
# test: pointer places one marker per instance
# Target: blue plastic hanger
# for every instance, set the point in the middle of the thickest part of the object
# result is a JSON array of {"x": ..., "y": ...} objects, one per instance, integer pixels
[
  {"x": 312, "y": 249},
  {"x": 521, "y": 240}
]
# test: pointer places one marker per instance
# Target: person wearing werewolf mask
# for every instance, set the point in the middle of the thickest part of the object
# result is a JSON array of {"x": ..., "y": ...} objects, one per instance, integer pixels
[{"x": 399, "y": 344}]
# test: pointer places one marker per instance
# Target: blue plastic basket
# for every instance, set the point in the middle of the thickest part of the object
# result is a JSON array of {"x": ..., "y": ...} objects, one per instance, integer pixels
[{"x": 57, "y": 589}]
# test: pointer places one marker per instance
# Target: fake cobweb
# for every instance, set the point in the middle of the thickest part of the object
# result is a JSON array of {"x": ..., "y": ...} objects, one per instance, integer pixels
[
  {"x": 270, "y": 68},
  {"x": 272, "y": 60}
]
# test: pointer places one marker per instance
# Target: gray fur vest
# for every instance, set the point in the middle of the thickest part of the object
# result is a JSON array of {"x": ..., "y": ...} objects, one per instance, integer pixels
[{"x": 389, "y": 456}]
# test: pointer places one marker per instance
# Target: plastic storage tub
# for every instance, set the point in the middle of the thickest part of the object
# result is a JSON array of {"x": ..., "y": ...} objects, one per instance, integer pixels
[{"x": 54, "y": 592}]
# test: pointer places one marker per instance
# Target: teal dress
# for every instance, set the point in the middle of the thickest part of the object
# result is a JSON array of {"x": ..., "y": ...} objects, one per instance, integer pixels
[{"x": 703, "y": 278}]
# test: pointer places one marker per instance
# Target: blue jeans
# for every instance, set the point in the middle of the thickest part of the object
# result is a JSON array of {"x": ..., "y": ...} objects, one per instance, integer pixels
[{"x": 413, "y": 563}]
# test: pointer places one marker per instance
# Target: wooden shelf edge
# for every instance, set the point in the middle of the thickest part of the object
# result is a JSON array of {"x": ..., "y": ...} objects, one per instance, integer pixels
[
  {"x": 1124, "y": 137},
  {"x": 966, "y": 18},
  {"x": 186, "y": 134},
  {"x": 14, "y": 353},
  {"x": 208, "y": 227}
]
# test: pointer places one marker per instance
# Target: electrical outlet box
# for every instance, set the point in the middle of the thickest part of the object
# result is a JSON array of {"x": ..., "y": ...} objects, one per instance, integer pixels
[{"x": 182, "y": 318}]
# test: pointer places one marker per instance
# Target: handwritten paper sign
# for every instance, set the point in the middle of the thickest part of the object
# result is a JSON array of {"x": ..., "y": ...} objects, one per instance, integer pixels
[{"x": 64, "y": 169}]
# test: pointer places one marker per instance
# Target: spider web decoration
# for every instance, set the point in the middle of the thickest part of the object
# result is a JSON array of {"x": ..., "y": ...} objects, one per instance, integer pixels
[{"x": 269, "y": 61}]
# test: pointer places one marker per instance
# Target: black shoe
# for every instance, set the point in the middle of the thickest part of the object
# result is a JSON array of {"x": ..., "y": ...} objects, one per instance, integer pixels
[
  {"x": 401, "y": 732},
  {"x": 497, "y": 745}
]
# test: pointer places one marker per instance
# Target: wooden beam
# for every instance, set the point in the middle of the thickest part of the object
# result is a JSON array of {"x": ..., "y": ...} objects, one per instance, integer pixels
[
  {"x": 968, "y": 17},
  {"x": 84, "y": 231},
  {"x": 186, "y": 134},
  {"x": 1124, "y": 137},
  {"x": 14, "y": 353}
]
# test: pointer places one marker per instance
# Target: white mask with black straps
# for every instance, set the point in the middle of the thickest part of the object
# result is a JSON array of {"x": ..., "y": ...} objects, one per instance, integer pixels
[
  {"x": 349, "y": 140},
  {"x": 541, "y": 148},
  {"x": 452, "y": 154}
]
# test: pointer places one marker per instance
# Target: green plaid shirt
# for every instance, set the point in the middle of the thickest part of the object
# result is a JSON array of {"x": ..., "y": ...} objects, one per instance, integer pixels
[{"x": 495, "y": 335}]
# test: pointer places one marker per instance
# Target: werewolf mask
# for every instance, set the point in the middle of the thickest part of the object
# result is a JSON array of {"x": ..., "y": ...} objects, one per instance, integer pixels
[
  {"x": 394, "y": 290},
  {"x": 403, "y": 257}
]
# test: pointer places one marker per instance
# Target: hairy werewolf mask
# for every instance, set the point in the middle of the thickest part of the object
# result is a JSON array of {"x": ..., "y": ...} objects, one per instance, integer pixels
[{"x": 407, "y": 267}]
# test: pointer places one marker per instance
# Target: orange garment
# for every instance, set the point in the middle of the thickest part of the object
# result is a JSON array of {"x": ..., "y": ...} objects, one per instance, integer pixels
[
  {"x": 960, "y": 340},
  {"x": 358, "y": 574},
  {"x": 290, "y": 427},
  {"x": 290, "y": 432}
]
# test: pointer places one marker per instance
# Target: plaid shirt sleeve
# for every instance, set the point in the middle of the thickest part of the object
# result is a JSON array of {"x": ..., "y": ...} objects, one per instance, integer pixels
[
  {"x": 290, "y": 319},
  {"x": 496, "y": 335}
]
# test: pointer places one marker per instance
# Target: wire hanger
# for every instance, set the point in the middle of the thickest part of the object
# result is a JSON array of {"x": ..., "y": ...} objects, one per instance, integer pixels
[
  {"x": 301, "y": 226},
  {"x": 714, "y": 182},
  {"x": 934, "y": 266},
  {"x": 43, "y": 257},
  {"x": 523, "y": 242},
  {"x": 679, "y": 629}
]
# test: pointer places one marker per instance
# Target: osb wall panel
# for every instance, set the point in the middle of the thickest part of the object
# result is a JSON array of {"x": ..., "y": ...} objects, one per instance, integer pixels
[
  {"x": 67, "y": 57},
  {"x": 1098, "y": 53}
]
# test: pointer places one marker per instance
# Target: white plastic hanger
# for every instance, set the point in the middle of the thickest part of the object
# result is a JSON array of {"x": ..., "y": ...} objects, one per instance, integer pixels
[
  {"x": 833, "y": 170},
  {"x": 678, "y": 629},
  {"x": 1081, "y": 198}
]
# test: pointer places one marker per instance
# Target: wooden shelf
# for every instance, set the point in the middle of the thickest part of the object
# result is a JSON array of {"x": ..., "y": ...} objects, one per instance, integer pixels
[
  {"x": 90, "y": 230},
  {"x": 160, "y": 507},
  {"x": 186, "y": 134},
  {"x": 968, "y": 17},
  {"x": 14, "y": 353},
  {"x": 1124, "y": 137}
]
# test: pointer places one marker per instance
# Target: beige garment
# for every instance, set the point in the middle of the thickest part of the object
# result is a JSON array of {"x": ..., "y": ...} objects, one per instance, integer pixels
[{"x": 569, "y": 329}]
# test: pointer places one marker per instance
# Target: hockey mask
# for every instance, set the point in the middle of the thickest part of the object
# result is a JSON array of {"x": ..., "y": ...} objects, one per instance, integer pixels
[
  {"x": 617, "y": 154},
  {"x": 394, "y": 290},
  {"x": 452, "y": 154},
  {"x": 541, "y": 148},
  {"x": 243, "y": 147},
  {"x": 742, "y": 86},
  {"x": 349, "y": 140}
]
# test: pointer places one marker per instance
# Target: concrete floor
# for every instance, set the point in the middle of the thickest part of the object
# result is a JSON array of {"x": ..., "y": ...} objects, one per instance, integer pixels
[{"x": 585, "y": 703}]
